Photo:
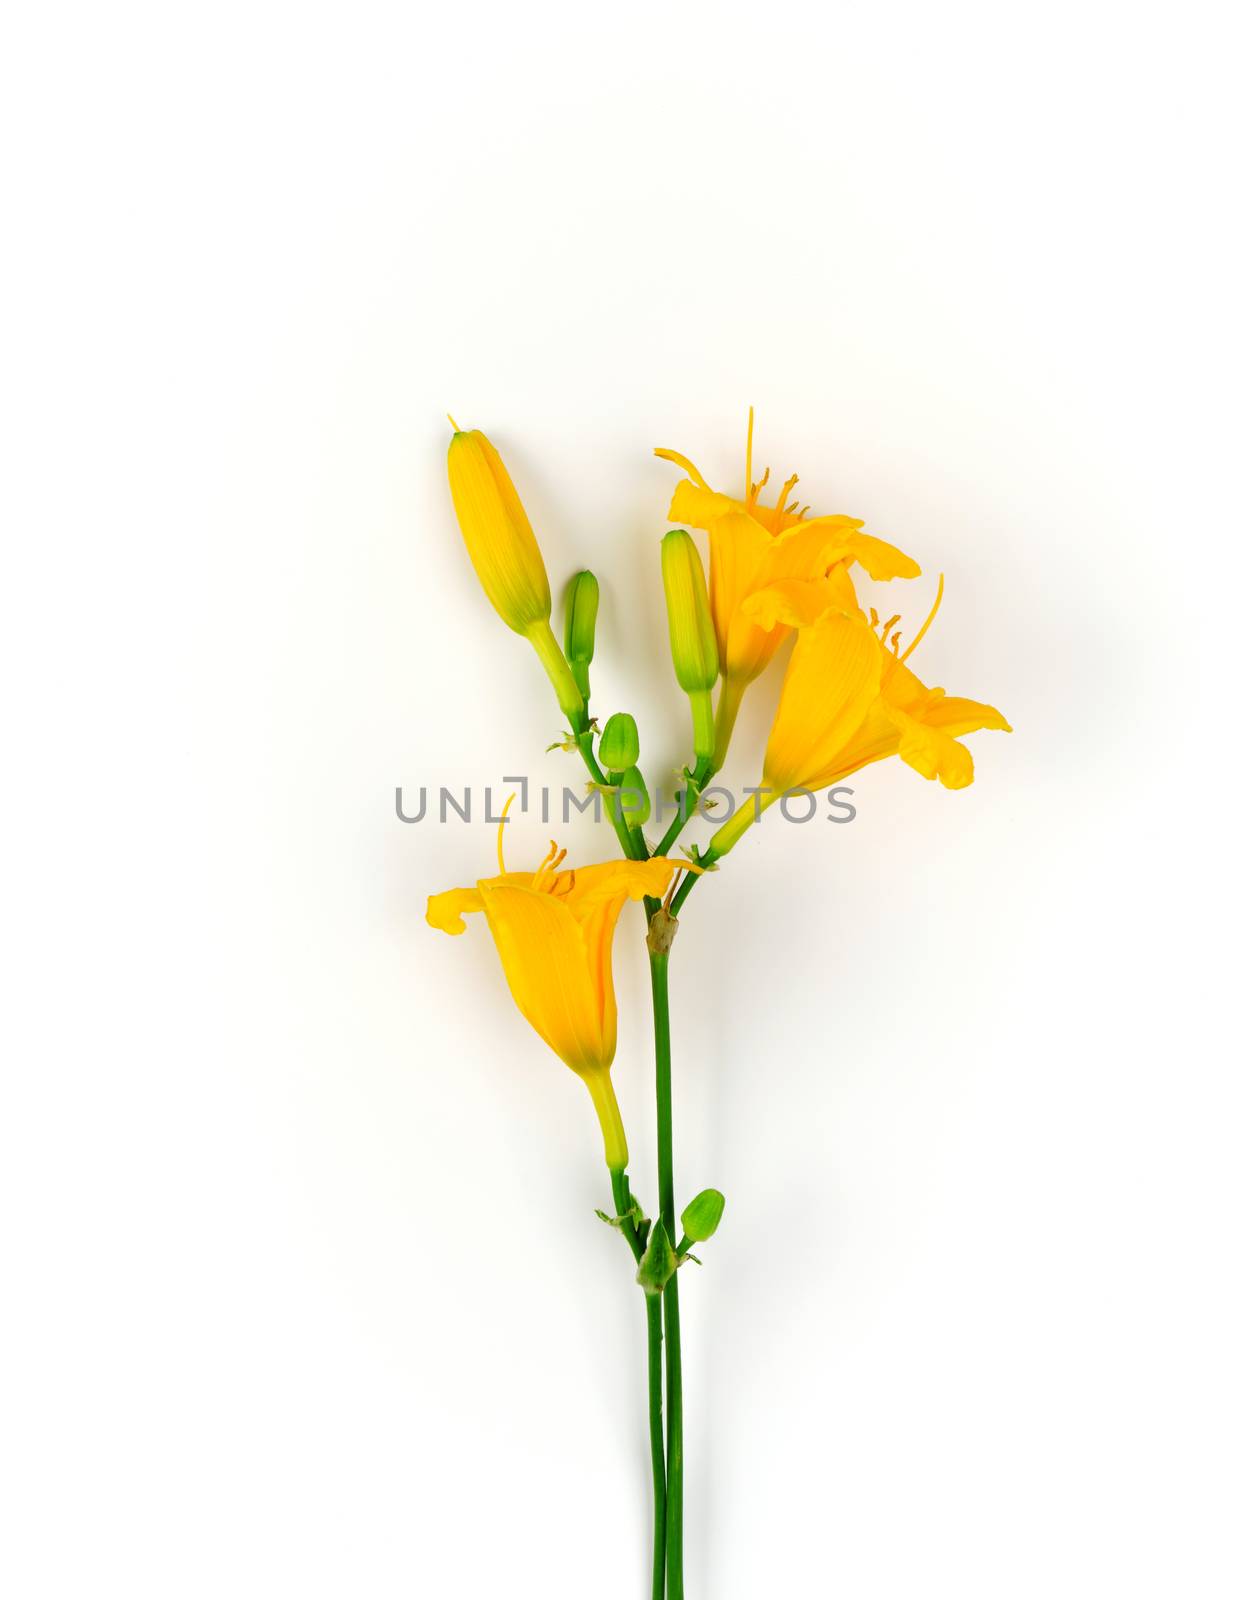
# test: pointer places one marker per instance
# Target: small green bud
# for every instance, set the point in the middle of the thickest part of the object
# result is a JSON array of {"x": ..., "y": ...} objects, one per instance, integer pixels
[
  {"x": 658, "y": 1263},
  {"x": 619, "y": 744},
  {"x": 582, "y": 602},
  {"x": 700, "y": 1219},
  {"x": 693, "y": 643},
  {"x": 633, "y": 801}
]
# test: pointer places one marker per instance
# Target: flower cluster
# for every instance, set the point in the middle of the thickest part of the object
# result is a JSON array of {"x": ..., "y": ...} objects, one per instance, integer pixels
[{"x": 849, "y": 698}]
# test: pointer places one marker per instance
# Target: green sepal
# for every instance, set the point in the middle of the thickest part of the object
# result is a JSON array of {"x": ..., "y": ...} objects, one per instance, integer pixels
[
  {"x": 633, "y": 1214},
  {"x": 701, "y": 1218},
  {"x": 658, "y": 1263}
]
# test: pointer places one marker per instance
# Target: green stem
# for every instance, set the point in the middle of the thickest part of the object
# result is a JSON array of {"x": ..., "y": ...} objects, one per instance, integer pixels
[
  {"x": 685, "y": 804},
  {"x": 558, "y": 669},
  {"x": 659, "y": 962},
  {"x": 652, "y": 1305},
  {"x": 656, "y": 1442},
  {"x": 690, "y": 881}
]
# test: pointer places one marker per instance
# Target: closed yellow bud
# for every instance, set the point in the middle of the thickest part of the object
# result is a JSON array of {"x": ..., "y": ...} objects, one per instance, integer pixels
[
  {"x": 499, "y": 540},
  {"x": 506, "y": 557}
]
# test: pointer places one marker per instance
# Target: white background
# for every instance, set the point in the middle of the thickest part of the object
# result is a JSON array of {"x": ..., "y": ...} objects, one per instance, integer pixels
[{"x": 304, "y": 1293}]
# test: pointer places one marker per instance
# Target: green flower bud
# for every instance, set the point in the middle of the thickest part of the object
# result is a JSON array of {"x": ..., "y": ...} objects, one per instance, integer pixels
[
  {"x": 619, "y": 744},
  {"x": 700, "y": 1219},
  {"x": 658, "y": 1263},
  {"x": 582, "y": 602},
  {"x": 693, "y": 643},
  {"x": 633, "y": 801}
]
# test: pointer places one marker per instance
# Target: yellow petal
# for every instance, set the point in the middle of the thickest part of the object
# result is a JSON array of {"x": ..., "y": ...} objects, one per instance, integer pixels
[
  {"x": 689, "y": 467},
  {"x": 934, "y": 754},
  {"x": 586, "y": 888},
  {"x": 554, "y": 983},
  {"x": 956, "y": 716},
  {"x": 799, "y": 602},
  {"x": 833, "y": 678},
  {"x": 738, "y": 549},
  {"x": 881, "y": 560},
  {"x": 445, "y": 910},
  {"x": 695, "y": 505}
]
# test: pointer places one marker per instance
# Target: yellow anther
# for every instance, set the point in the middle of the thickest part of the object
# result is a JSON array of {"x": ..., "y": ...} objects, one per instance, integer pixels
[{"x": 786, "y": 489}]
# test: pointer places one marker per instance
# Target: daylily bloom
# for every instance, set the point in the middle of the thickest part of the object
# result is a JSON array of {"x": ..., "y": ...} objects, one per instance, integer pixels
[
  {"x": 751, "y": 547},
  {"x": 554, "y": 933},
  {"x": 849, "y": 699}
]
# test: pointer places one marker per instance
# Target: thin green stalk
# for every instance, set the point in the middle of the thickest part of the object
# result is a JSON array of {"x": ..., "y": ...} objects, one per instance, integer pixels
[
  {"x": 652, "y": 1306},
  {"x": 689, "y": 883},
  {"x": 656, "y": 1442},
  {"x": 659, "y": 963},
  {"x": 685, "y": 805}
]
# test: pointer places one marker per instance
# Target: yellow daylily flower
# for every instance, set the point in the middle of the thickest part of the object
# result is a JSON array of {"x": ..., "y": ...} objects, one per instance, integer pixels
[
  {"x": 505, "y": 555},
  {"x": 849, "y": 699},
  {"x": 554, "y": 933},
  {"x": 751, "y": 547}
]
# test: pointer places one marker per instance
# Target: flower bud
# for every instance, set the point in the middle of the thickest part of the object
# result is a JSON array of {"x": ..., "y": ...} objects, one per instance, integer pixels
[
  {"x": 619, "y": 744},
  {"x": 693, "y": 643},
  {"x": 499, "y": 540},
  {"x": 582, "y": 601},
  {"x": 700, "y": 1219},
  {"x": 633, "y": 802}
]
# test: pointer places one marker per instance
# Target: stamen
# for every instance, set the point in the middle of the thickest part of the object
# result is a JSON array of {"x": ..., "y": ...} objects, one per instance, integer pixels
[
  {"x": 786, "y": 489},
  {"x": 894, "y": 641},
  {"x": 453, "y": 424},
  {"x": 548, "y": 865},
  {"x": 501, "y": 825},
  {"x": 874, "y": 621},
  {"x": 747, "y": 472},
  {"x": 754, "y": 492},
  {"x": 885, "y": 632},
  {"x": 928, "y": 621}
]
